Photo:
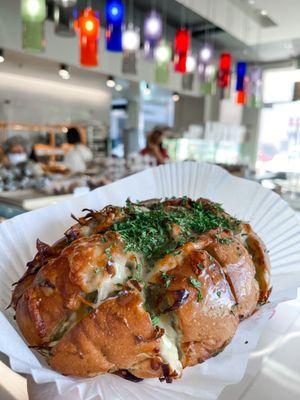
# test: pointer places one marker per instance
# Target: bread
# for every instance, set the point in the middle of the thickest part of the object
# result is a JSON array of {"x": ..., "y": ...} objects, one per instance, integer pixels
[{"x": 142, "y": 291}]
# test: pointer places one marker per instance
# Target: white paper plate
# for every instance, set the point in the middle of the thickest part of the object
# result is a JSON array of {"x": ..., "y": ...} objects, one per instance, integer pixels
[{"x": 270, "y": 217}]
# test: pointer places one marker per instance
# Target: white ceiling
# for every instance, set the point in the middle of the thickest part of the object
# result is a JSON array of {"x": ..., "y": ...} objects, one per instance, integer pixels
[{"x": 286, "y": 14}]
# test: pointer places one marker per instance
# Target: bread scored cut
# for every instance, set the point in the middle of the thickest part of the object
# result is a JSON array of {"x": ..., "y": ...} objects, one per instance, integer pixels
[{"x": 142, "y": 291}]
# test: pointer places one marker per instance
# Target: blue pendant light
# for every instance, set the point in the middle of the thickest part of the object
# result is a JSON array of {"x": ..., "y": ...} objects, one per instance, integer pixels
[
  {"x": 241, "y": 69},
  {"x": 114, "y": 12}
]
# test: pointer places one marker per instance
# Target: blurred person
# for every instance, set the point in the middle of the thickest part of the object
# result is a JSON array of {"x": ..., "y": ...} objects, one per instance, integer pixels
[
  {"x": 154, "y": 147},
  {"x": 16, "y": 151},
  {"x": 79, "y": 155}
]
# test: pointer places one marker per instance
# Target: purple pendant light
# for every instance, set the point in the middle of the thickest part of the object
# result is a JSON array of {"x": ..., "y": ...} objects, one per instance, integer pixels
[
  {"x": 153, "y": 28},
  {"x": 255, "y": 87}
]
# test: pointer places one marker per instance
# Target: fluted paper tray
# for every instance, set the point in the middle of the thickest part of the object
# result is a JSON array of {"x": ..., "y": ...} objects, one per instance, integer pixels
[{"x": 270, "y": 217}]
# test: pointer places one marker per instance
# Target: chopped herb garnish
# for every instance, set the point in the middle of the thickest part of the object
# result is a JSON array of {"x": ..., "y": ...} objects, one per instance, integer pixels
[
  {"x": 107, "y": 251},
  {"x": 138, "y": 272},
  {"x": 104, "y": 239},
  {"x": 200, "y": 266},
  {"x": 147, "y": 229},
  {"x": 176, "y": 253},
  {"x": 97, "y": 270},
  {"x": 223, "y": 240},
  {"x": 167, "y": 279},
  {"x": 197, "y": 285},
  {"x": 154, "y": 320},
  {"x": 199, "y": 296},
  {"x": 219, "y": 293}
]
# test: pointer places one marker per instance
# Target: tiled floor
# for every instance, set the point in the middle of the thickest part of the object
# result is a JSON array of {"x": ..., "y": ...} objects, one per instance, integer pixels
[{"x": 273, "y": 371}]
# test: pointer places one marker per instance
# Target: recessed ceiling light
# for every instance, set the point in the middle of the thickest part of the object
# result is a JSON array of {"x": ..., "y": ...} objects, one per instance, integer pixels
[
  {"x": 118, "y": 87},
  {"x": 264, "y": 12},
  {"x": 251, "y": 2}
]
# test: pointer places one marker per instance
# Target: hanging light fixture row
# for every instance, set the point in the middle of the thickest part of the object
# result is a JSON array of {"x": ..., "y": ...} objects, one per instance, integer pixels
[{"x": 128, "y": 41}]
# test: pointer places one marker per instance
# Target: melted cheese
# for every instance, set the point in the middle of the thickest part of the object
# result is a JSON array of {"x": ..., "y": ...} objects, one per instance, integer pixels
[
  {"x": 109, "y": 284},
  {"x": 168, "y": 348}
]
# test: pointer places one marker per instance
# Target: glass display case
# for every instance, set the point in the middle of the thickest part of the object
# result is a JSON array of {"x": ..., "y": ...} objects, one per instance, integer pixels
[{"x": 222, "y": 152}]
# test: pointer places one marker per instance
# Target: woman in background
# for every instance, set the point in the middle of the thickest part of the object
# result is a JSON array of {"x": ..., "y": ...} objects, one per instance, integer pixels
[
  {"x": 155, "y": 147},
  {"x": 77, "y": 158},
  {"x": 16, "y": 151}
]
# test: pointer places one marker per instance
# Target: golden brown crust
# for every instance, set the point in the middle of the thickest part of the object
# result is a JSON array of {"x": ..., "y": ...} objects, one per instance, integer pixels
[
  {"x": 260, "y": 258},
  {"x": 206, "y": 321},
  {"x": 81, "y": 302},
  {"x": 117, "y": 335},
  {"x": 239, "y": 270}
]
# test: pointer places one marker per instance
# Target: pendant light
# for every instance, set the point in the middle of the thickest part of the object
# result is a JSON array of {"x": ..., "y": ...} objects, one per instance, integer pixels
[
  {"x": 131, "y": 43},
  {"x": 153, "y": 28},
  {"x": 162, "y": 55},
  {"x": 33, "y": 10},
  {"x": 205, "y": 54},
  {"x": 224, "y": 70},
  {"x": 190, "y": 64},
  {"x": 255, "y": 87},
  {"x": 64, "y": 20},
  {"x": 188, "y": 77},
  {"x": 241, "y": 69},
  {"x": 207, "y": 76},
  {"x": 114, "y": 12},
  {"x": 181, "y": 47},
  {"x": 131, "y": 39},
  {"x": 63, "y": 72},
  {"x": 88, "y": 26},
  {"x": 110, "y": 82},
  {"x": 175, "y": 97},
  {"x": 33, "y": 16}
]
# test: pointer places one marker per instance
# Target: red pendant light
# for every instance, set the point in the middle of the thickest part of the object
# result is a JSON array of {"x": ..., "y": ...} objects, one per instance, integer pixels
[
  {"x": 224, "y": 70},
  {"x": 241, "y": 97},
  {"x": 88, "y": 26},
  {"x": 181, "y": 48}
]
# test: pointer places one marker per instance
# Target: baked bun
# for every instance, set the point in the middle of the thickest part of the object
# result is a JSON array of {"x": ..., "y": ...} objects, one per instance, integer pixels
[{"x": 142, "y": 291}]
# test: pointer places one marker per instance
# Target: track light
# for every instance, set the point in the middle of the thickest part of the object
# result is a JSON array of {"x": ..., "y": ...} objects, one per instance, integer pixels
[
  {"x": 110, "y": 82},
  {"x": 64, "y": 71},
  {"x": 2, "y": 58},
  {"x": 175, "y": 97}
]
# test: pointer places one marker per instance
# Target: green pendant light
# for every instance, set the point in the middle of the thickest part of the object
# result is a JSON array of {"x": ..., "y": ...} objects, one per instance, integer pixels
[{"x": 33, "y": 16}]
